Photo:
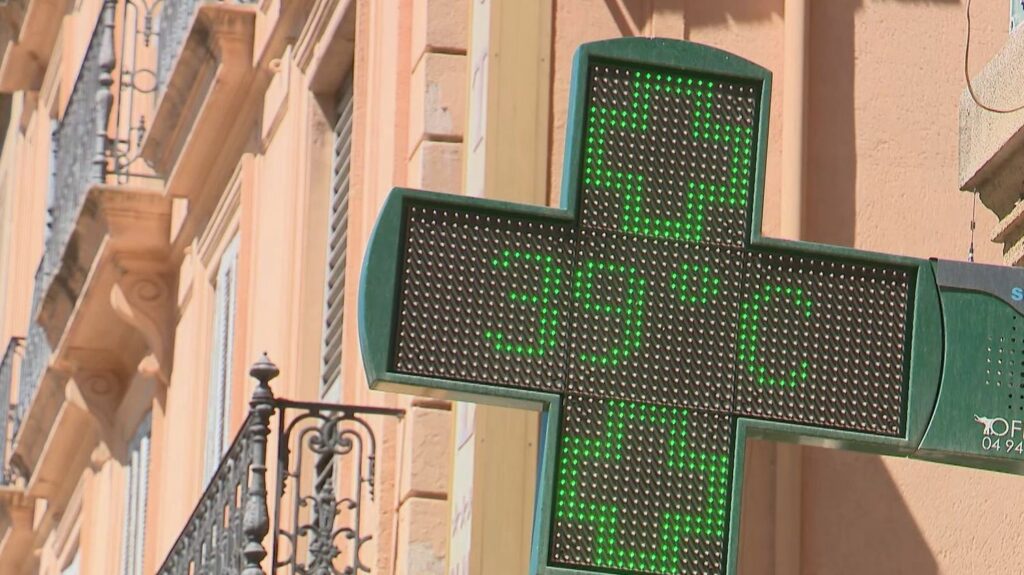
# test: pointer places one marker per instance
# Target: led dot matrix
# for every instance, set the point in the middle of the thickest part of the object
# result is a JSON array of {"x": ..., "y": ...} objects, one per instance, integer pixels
[{"x": 652, "y": 316}]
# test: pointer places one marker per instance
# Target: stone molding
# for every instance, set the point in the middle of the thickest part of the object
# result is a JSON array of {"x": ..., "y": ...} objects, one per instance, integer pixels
[
  {"x": 34, "y": 25},
  {"x": 206, "y": 86}
]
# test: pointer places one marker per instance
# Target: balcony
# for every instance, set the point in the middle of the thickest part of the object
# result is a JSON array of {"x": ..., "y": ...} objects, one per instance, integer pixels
[
  {"x": 16, "y": 521},
  {"x": 204, "y": 66},
  {"x": 321, "y": 448},
  {"x": 992, "y": 144},
  {"x": 7, "y": 369},
  {"x": 37, "y": 354},
  {"x": 103, "y": 290},
  {"x": 176, "y": 19}
]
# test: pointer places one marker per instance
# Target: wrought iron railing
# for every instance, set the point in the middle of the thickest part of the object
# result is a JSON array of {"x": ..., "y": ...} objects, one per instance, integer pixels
[
  {"x": 136, "y": 87},
  {"x": 37, "y": 354},
  {"x": 81, "y": 140},
  {"x": 6, "y": 379},
  {"x": 321, "y": 447},
  {"x": 216, "y": 523},
  {"x": 175, "y": 19},
  {"x": 85, "y": 153}
]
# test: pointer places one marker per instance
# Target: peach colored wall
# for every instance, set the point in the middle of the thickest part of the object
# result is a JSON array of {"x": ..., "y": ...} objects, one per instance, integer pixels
[{"x": 885, "y": 78}]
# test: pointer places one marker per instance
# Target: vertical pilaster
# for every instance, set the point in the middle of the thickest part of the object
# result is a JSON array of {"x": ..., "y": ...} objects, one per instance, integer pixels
[{"x": 437, "y": 117}]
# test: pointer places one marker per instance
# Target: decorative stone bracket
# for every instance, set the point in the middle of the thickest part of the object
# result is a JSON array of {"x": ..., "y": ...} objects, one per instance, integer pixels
[
  {"x": 992, "y": 145},
  {"x": 144, "y": 299},
  {"x": 201, "y": 94},
  {"x": 109, "y": 308}
]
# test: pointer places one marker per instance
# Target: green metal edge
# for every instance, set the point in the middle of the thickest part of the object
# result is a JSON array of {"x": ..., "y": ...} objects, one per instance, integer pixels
[
  {"x": 934, "y": 447},
  {"x": 381, "y": 270},
  {"x": 378, "y": 296}
]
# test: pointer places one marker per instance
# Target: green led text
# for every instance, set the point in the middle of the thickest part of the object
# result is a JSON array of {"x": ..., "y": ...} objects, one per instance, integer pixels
[
  {"x": 749, "y": 340},
  {"x": 630, "y": 308},
  {"x": 542, "y": 299},
  {"x": 575, "y": 505},
  {"x": 637, "y": 217},
  {"x": 695, "y": 283}
]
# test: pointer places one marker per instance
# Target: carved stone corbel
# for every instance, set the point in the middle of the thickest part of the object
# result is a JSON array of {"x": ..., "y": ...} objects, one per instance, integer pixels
[
  {"x": 144, "y": 299},
  {"x": 97, "y": 384},
  {"x": 89, "y": 403},
  {"x": 98, "y": 392}
]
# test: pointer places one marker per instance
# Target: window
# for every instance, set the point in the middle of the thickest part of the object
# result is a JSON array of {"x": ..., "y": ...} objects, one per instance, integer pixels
[
  {"x": 337, "y": 243},
  {"x": 219, "y": 390},
  {"x": 137, "y": 488}
]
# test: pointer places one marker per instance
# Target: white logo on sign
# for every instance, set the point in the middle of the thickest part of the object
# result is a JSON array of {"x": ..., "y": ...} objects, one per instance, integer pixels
[{"x": 988, "y": 422}]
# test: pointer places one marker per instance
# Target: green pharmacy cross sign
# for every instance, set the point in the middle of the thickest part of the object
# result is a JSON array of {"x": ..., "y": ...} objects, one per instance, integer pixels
[{"x": 657, "y": 330}]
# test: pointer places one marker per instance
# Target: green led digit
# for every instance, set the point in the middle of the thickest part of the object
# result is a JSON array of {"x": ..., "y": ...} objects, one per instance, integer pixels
[
  {"x": 630, "y": 308},
  {"x": 694, "y": 283},
  {"x": 576, "y": 506},
  {"x": 749, "y": 337},
  {"x": 543, "y": 299},
  {"x": 636, "y": 217}
]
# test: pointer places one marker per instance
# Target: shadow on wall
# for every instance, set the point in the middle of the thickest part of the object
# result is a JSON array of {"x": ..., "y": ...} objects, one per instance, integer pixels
[
  {"x": 886, "y": 539},
  {"x": 867, "y": 529},
  {"x": 633, "y": 15}
]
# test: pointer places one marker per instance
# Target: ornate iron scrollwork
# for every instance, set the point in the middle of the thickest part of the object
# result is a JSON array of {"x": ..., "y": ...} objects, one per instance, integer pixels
[
  {"x": 37, "y": 353},
  {"x": 332, "y": 445},
  {"x": 137, "y": 85},
  {"x": 316, "y": 530}
]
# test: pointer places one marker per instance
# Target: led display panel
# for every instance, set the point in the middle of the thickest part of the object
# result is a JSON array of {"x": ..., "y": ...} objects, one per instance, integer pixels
[{"x": 653, "y": 316}]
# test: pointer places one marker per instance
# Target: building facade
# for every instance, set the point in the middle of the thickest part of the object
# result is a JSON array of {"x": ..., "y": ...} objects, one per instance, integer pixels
[{"x": 186, "y": 184}]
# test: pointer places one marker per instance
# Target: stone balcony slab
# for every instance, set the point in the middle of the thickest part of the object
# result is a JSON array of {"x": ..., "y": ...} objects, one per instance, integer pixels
[
  {"x": 992, "y": 144},
  {"x": 989, "y": 140},
  {"x": 27, "y": 35},
  {"x": 207, "y": 84},
  {"x": 109, "y": 305}
]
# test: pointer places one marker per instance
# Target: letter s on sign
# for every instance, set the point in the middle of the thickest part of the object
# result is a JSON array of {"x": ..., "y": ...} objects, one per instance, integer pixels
[{"x": 1017, "y": 294}]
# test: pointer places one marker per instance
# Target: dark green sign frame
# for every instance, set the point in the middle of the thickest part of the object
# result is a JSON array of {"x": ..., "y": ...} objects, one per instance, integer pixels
[{"x": 949, "y": 320}]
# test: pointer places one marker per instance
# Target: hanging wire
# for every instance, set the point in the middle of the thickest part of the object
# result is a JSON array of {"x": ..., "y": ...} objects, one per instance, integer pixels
[
  {"x": 967, "y": 75},
  {"x": 974, "y": 212}
]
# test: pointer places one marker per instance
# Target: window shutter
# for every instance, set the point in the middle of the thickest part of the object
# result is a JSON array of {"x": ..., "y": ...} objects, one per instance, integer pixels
[
  {"x": 337, "y": 241},
  {"x": 137, "y": 490},
  {"x": 219, "y": 396}
]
